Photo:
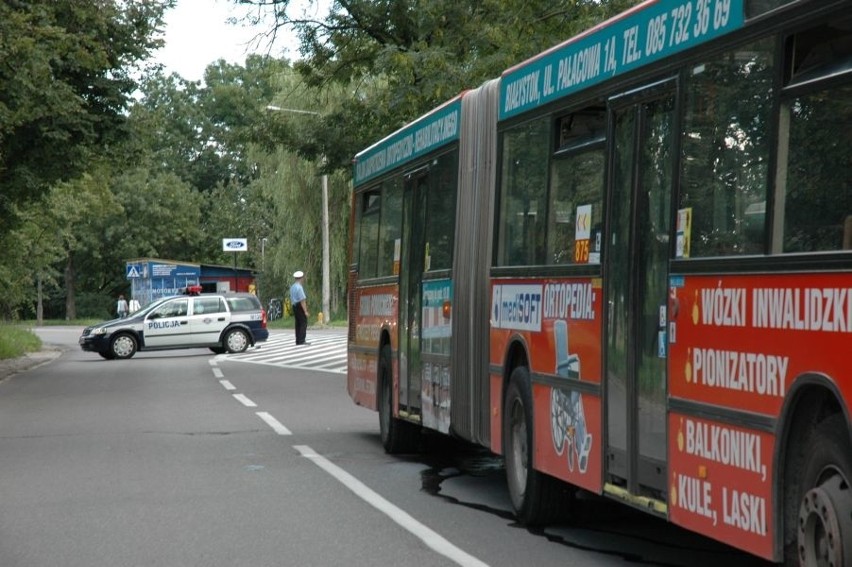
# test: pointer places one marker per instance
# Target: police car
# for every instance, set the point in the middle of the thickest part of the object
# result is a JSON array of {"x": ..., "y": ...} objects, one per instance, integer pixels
[{"x": 222, "y": 322}]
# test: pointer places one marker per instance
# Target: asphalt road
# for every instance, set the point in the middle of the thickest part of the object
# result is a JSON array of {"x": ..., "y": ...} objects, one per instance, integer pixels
[{"x": 182, "y": 458}]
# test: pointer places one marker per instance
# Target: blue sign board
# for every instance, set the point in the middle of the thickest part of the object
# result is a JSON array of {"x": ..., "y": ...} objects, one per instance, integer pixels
[
  {"x": 427, "y": 133},
  {"x": 133, "y": 271},
  {"x": 638, "y": 37}
]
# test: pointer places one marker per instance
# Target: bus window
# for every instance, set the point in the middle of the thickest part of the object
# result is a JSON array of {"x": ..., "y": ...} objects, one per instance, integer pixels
[
  {"x": 391, "y": 227},
  {"x": 725, "y": 150},
  {"x": 757, "y": 7},
  {"x": 575, "y": 211},
  {"x": 576, "y": 190},
  {"x": 523, "y": 197},
  {"x": 815, "y": 180},
  {"x": 441, "y": 213},
  {"x": 369, "y": 234}
]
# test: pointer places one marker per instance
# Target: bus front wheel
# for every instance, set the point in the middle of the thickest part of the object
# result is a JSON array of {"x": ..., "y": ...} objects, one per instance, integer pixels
[
  {"x": 825, "y": 510},
  {"x": 398, "y": 436},
  {"x": 537, "y": 498}
]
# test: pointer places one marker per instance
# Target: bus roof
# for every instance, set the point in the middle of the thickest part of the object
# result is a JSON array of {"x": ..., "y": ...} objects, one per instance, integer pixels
[
  {"x": 648, "y": 32},
  {"x": 429, "y": 132}
]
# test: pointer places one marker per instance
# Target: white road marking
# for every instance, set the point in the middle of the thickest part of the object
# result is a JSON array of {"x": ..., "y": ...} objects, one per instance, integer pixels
[
  {"x": 227, "y": 384},
  {"x": 217, "y": 372},
  {"x": 273, "y": 423},
  {"x": 213, "y": 362},
  {"x": 327, "y": 352},
  {"x": 245, "y": 401},
  {"x": 431, "y": 538}
]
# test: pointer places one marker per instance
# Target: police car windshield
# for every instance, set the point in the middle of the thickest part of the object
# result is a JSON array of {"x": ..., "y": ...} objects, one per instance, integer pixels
[{"x": 151, "y": 306}]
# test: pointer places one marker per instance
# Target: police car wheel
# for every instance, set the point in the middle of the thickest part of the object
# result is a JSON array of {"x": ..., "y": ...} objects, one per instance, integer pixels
[
  {"x": 236, "y": 341},
  {"x": 123, "y": 346}
]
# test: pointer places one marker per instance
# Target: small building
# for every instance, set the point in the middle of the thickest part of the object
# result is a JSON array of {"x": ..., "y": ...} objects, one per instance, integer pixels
[{"x": 154, "y": 278}]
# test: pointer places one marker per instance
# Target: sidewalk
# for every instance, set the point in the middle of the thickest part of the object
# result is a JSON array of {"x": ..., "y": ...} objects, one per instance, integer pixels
[{"x": 12, "y": 366}]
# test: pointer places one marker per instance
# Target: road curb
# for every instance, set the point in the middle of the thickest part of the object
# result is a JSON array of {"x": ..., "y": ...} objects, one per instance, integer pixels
[{"x": 11, "y": 366}]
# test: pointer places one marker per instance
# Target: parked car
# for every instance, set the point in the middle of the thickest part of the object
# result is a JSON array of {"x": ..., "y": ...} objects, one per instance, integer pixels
[{"x": 222, "y": 322}]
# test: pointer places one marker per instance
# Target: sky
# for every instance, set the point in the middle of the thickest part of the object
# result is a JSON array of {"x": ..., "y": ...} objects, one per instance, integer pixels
[{"x": 197, "y": 33}]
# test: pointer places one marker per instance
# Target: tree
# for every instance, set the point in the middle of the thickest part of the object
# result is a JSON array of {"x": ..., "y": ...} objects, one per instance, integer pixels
[
  {"x": 288, "y": 190},
  {"x": 65, "y": 80},
  {"x": 200, "y": 131},
  {"x": 48, "y": 231}
]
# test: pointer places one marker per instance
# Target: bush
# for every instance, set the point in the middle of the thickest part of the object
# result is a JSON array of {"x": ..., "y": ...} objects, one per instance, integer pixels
[{"x": 95, "y": 306}]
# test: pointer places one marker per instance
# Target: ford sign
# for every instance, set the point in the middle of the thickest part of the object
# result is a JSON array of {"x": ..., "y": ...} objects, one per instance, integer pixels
[{"x": 234, "y": 244}]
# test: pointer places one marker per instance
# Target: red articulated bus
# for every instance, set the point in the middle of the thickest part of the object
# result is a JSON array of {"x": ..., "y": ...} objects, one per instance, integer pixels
[{"x": 625, "y": 265}]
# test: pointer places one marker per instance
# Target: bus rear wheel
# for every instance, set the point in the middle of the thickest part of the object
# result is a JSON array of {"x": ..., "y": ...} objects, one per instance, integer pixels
[
  {"x": 398, "y": 436},
  {"x": 825, "y": 511},
  {"x": 537, "y": 498}
]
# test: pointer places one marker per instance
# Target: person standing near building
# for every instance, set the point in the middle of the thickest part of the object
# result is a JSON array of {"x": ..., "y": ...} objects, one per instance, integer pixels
[
  {"x": 299, "y": 301},
  {"x": 121, "y": 307},
  {"x": 133, "y": 306}
]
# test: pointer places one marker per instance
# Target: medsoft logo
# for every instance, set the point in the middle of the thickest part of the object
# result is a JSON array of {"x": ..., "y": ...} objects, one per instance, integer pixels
[{"x": 516, "y": 307}]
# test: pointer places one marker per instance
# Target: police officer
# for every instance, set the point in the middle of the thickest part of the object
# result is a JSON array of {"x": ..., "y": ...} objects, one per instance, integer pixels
[{"x": 299, "y": 301}]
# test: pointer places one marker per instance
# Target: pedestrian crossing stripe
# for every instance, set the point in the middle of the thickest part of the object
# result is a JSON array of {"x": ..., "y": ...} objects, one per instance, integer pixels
[{"x": 325, "y": 352}]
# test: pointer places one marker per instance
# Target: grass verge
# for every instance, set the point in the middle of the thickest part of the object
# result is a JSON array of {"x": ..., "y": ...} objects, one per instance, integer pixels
[{"x": 16, "y": 341}]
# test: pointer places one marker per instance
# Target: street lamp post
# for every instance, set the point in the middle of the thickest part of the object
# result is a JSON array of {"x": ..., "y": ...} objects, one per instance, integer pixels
[
  {"x": 326, "y": 276},
  {"x": 262, "y": 265}
]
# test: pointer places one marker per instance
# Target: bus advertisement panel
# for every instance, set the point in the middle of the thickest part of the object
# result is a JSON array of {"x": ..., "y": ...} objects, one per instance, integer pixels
[
  {"x": 560, "y": 321},
  {"x": 721, "y": 481},
  {"x": 376, "y": 313},
  {"x": 436, "y": 335},
  {"x": 740, "y": 343}
]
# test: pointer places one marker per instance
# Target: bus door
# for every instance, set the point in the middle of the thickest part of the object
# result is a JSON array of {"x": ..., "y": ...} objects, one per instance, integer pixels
[
  {"x": 410, "y": 289},
  {"x": 636, "y": 280}
]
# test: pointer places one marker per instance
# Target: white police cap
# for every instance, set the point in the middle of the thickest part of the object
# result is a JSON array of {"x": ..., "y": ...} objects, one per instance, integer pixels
[{"x": 299, "y": 274}]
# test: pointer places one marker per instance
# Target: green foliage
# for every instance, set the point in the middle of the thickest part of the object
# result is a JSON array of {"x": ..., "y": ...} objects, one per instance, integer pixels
[
  {"x": 200, "y": 133},
  {"x": 17, "y": 341},
  {"x": 398, "y": 59},
  {"x": 46, "y": 232},
  {"x": 64, "y": 87},
  {"x": 98, "y": 306},
  {"x": 290, "y": 189}
]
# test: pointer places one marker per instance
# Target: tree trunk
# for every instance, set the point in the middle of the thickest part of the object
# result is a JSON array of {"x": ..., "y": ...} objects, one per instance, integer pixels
[
  {"x": 40, "y": 305},
  {"x": 70, "y": 293}
]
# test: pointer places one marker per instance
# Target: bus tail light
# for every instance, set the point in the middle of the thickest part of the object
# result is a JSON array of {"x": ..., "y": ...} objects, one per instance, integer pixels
[{"x": 447, "y": 309}]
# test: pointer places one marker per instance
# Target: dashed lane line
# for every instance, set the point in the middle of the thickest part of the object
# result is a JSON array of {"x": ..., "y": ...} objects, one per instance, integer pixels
[
  {"x": 276, "y": 425},
  {"x": 245, "y": 401}
]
